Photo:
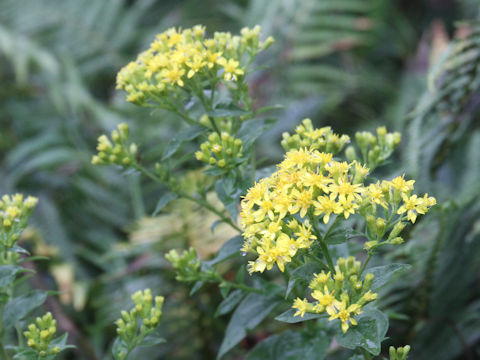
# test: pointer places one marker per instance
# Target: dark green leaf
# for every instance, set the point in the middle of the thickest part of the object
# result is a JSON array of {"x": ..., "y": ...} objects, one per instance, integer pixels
[
  {"x": 223, "y": 110},
  {"x": 368, "y": 334},
  {"x": 119, "y": 347},
  {"x": 252, "y": 129},
  {"x": 230, "y": 248},
  {"x": 8, "y": 273},
  {"x": 229, "y": 303},
  {"x": 163, "y": 201},
  {"x": 384, "y": 273},
  {"x": 251, "y": 311},
  {"x": 302, "y": 275},
  {"x": 196, "y": 287},
  {"x": 292, "y": 346},
  {"x": 289, "y": 317},
  {"x": 341, "y": 235},
  {"x": 187, "y": 134},
  {"x": 19, "y": 307},
  {"x": 61, "y": 342},
  {"x": 151, "y": 340},
  {"x": 229, "y": 195}
]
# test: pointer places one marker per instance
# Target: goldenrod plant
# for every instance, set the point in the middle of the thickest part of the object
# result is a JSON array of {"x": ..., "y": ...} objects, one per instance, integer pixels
[
  {"x": 319, "y": 217},
  {"x": 136, "y": 327},
  {"x": 15, "y": 304}
]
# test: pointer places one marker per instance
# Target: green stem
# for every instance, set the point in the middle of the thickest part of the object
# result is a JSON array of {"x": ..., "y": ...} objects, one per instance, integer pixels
[
  {"x": 136, "y": 196},
  {"x": 323, "y": 243},
  {"x": 369, "y": 256},
  {"x": 199, "y": 201},
  {"x": 253, "y": 163}
]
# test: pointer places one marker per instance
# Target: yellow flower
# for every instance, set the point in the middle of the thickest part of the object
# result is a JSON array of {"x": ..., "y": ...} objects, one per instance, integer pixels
[
  {"x": 173, "y": 76},
  {"x": 302, "y": 306},
  {"x": 402, "y": 185},
  {"x": 302, "y": 200},
  {"x": 340, "y": 311},
  {"x": 414, "y": 205},
  {"x": 326, "y": 205},
  {"x": 231, "y": 69}
]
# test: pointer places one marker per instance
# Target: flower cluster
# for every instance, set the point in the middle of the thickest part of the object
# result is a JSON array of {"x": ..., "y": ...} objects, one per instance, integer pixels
[
  {"x": 187, "y": 264},
  {"x": 341, "y": 295},
  {"x": 147, "y": 311},
  {"x": 323, "y": 139},
  {"x": 14, "y": 214},
  {"x": 40, "y": 335},
  {"x": 182, "y": 60},
  {"x": 222, "y": 150},
  {"x": 278, "y": 212},
  {"x": 374, "y": 149},
  {"x": 118, "y": 150}
]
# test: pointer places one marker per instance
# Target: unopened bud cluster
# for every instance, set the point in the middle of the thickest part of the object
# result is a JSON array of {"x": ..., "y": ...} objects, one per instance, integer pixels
[
  {"x": 187, "y": 264},
  {"x": 117, "y": 150},
  {"x": 399, "y": 353},
  {"x": 15, "y": 210},
  {"x": 374, "y": 149},
  {"x": 341, "y": 295},
  {"x": 40, "y": 335},
  {"x": 224, "y": 151},
  {"x": 147, "y": 311},
  {"x": 323, "y": 139}
]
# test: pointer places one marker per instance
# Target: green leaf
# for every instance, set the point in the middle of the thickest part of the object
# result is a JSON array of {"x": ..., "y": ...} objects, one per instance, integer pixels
[
  {"x": 302, "y": 275},
  {"x": 8, "y": 273},
  {"x": 368, "y": 334},
  {"x": 341, "y": 235},
  {"x": 292, "y": 345},
  {"x": 252, "y": 129},
  {"x": 229, "y": 195},
  {"x": 61, "y": 342},
  {"x": 152, "y": 340},
  {"x": 229, "y": 110},
  {"x": 163, "y": 201},
  {"x": 196, "y": 287},
  {"x": 19, "y": 307},
  {"x": 182, "y": 136},
  {"x": 290, "y": 318},
  {"x": 384, "y": 273},
  {"x": 230, "y": 248},
  {"x": 251, "y": 311},
  {"x": 119, "y": 346},
  {"x": 229, "y": 303}
]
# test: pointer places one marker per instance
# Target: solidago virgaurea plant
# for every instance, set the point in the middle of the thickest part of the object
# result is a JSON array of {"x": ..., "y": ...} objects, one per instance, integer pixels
[{"x": 310, "y": 227}]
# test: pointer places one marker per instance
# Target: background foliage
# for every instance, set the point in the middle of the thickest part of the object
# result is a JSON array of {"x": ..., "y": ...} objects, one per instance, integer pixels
[{"x": 351, "y": 64}]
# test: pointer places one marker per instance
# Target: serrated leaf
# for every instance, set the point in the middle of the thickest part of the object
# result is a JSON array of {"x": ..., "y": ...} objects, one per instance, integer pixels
[
  {"x": 229, "y": 303},
  {"x": 384, "y": 273},
  {"x": 368, "y": 334},
  {"x": 251, "y": 311},
  {"x": 228, "y": 249},
  {"x": 290, "y": 318},
  {"x": 19, "y": 307},
  {"x": 182, "y": 136},
  {"x": 292, "y": 345},
  {"x": 163, "y": 201}
]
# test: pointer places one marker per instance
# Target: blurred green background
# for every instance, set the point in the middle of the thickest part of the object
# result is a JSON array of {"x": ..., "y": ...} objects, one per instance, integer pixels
[{"x": 350, "y": 64}]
